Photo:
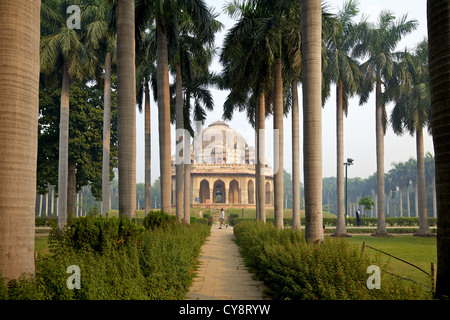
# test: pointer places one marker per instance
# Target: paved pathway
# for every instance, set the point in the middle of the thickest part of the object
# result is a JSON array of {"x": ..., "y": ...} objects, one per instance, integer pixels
[{"x": 222, "y": 274}]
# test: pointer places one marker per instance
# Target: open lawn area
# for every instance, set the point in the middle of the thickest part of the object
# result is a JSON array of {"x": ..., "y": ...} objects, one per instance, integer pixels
[{"x": 420, "y": 251}]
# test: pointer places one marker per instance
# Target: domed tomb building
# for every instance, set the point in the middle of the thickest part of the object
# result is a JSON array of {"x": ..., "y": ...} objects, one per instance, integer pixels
[{"x": 223, "y": 170}]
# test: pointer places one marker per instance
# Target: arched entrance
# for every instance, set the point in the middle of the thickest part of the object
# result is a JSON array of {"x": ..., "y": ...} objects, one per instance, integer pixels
[
  {"x": 204, "y": 191},
  {"x": 234, "y": 192},
  {"x": 251, "y": 192},
  {"x": 219, "y": 192},
  {"x": 268, "y": 193}
]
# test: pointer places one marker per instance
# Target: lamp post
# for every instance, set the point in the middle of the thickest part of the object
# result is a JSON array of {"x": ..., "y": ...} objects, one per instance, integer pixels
[{"x": 346, "y": 164}]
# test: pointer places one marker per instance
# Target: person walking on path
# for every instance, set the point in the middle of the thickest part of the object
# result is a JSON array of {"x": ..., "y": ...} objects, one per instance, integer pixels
[
  {"x": 358, "y": 217},
  {"x": 222, "y": 218}
]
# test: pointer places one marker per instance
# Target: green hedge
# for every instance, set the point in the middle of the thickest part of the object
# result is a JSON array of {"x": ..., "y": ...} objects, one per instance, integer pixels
[
  {"x": 295, "y": 269},
  {"x": 118, "y": 259},
  {"x": 366, "y": 222}
]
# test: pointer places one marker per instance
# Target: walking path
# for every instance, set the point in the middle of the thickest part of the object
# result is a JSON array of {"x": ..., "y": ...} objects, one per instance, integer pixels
[{"x": 222, "y": 274}]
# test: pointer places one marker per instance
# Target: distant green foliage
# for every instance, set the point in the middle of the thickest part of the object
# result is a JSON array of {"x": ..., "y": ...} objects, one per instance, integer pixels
[{"x": 367, "y": 202}]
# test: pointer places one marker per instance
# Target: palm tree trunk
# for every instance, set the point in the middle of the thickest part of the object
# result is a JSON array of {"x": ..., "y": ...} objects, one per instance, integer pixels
[
  {"x": 187, "y": 168},
  {"x": 424, "y": 228},
  {"x": 187, "y": 178},
  {"x": 295, "y": 158},
  {"x": 126, "y": 101},
  {"x": 148, "y": 150},
  {"x": 179, "y": 166},
  {"x": 261, "y": 151},
  {"x": 400, "y": 191},
  {"x": 416, "y": 200},
  {"x": 19, "y": 103},
  {"x": 408, "y": 205},
  {"x": 63, "y": 148},
  {"x": 40, "y": 205},
  {"x": 278, "y": 148},
  {"x": 438, "y": 13},
  {"x": 312, "y": 117},
  {"x": 106, "y": 135},
  {"x": 340, "y": 183},
  {"x": 164, "y": 117},
  {"x": 71, "y": 188},
  {"x": 381, "y": 225},
  {"x": 434, "y": 198}
]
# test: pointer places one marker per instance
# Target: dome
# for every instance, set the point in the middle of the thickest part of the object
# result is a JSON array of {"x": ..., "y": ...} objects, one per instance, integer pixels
[{"x": 221, "y": 144}]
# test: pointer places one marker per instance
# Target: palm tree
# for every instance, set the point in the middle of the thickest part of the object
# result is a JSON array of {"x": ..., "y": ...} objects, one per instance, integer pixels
[
  {"x": 438, "y": 17},
  {"x": 377, "y": 44},
  {"x": 430, "y": 177},
  {"x": 345, "y": 73},
  {"x": 165, "y": 14},
  {"x": 62, "y": 50},
  {"x": 19, "y": 88},
  {"x": 100, "y": 38},
  {"x": 247, "y": 74},
  {"x": 411, "y": 113},
  {"x": 312, "y": 122},
  {"x": 126, "y": 103}
]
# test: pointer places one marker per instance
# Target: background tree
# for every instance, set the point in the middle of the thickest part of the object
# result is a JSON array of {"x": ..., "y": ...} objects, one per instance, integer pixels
[
  {"x": 411, "y": 113},
  {"x": 85, "y": 137},
  {"x": 377, "y": 43},
  {"x": 63, "y": 57},
  {"x": 344, "y": 71}
]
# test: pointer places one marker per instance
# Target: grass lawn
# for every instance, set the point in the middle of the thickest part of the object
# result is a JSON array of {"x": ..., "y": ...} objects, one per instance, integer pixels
[
  {"x": 41, "y": 245},
  {"x": 420, "y": 251}
]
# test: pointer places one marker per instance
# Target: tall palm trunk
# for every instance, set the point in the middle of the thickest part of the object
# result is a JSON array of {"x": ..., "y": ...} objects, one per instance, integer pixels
[
  {"x": 148, "y": 152},
  {"x": 295, "y": 159},
  {"x": 424, "y": 228},
  {"x": 187, "y": 168},
  {"x": 278, "y": 148},
  {"x": 340, "y": 183},
  {"x": 312, "y": 117},
  {"x": 438, "y": 14},
  {"x": 63, "y": 164},
  {"x": 71, "y": 188},
  {"x": 260, "y": 164},
  {"x": 179, "y": 165},
  {"x": 126, "y": 100},
  {"x": 106, "y": 135},
  {"x": 381, "y": 222},
  {"x": 187, "y": 178},
  {"x": 19, "y": 103},
  {"x": 163, "y": 117}
]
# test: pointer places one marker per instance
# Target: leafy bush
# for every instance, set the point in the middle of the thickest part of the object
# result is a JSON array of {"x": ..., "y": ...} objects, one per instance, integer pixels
[
  {"x": 295, "y": 269},
  {"x": 118, "y": 259},
  {"x": 158, "y": 219},
  {"x": 95, "y": 232}
]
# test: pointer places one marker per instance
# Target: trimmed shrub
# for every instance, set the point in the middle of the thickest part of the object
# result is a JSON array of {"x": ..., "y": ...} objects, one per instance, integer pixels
[
  {"x": 295, "y": 269},
  {"x": 158, "y": 219},
  {"x": 118, "y": 260}
]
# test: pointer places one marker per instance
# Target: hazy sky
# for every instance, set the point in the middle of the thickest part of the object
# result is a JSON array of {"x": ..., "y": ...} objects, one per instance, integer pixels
[{"x": 359, "y": 126}]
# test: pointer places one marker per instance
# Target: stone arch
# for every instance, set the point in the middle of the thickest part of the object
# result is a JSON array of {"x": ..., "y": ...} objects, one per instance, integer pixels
[
  {"x": 268, "y": 193},
  {"x": 234, "y": 192},
  {"x": 219, "y": 192},
  {"x": 251, "y": 192},
  {"x": 204, "y": 191}
]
